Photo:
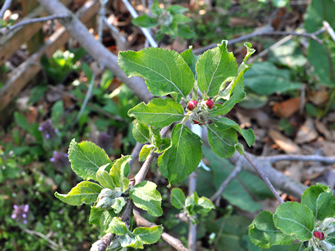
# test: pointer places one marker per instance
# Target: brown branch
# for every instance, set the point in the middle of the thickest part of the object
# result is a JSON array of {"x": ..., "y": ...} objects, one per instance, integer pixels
[
  {"x": 173, "y": 242},
  {"x": 140, "y": 176},
  {"x": 192, "y": 229},
  {"x": 95, "y": 49},
  {"x": 315, "y": 158}
]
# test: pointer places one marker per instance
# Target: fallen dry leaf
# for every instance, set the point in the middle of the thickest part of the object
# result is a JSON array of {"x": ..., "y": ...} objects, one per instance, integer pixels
[
  {"x": 283, "y": 142},
  {"x": 286, "y": 108},
  {"x": 323, "y": 130},
  {"x": 295, "y": 170},
  {"x": 328, "y": 148},
  {"x": 306, "y": 132},
  {"x": 318, "y": 97}
]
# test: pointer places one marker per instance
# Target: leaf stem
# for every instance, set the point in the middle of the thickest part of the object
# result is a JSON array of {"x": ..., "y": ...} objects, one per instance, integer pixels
[{"x": 264, "y": 177}]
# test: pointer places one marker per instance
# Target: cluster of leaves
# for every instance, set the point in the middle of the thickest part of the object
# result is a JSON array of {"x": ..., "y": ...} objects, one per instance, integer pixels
[
  {"x": 311, "y": 222},
  {"x": 178, "y": 75},
  {"x": 171, "y": 21},
  {"x": 109, "y": 197},
  {"x": 192, "y": 205}
]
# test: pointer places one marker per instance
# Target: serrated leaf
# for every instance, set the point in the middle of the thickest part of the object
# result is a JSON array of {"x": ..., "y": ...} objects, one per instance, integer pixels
[
  {"x": 164, "y": 71},
  {"x": 203, "y": 206},
  {"x": 222, "y": 139},
  {"x": 86, "y": 158},
  {"x": 293, "y": 218},
  {"x": 145, "y": 21},
  {"x": 84, "y": 192},
  {"x": 148, "y": 235},
  {"x": 120, "y": 171},
  {"x": 320, "y": 199},
  {"x": 95, "y": 215},
  {"x": 183, "y": 156},
  {"x": 248, "y": 134},
  {"x": 215, "y": 67},
  {"x": 265, "y": 79},
  {"x": 158, "y": 112},
  {"x": 177, "y": 198},
  {"x": 119, "y": 204},
  {"x": 146, "y": 197},
  {"x": 264, "y": 234},
  {"x": 191, "y": 60},
  {"x": 105, "y": 178},
  {"x": 106, "y": 217},
  {"x": 155, "y": 136},
  {"x": 145, "y": 151},
  {"x": 117, "y": 226},
  {"x": 141, "y": 133}
]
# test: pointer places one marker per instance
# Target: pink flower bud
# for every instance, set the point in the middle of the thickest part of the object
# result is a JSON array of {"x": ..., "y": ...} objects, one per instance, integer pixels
[
  {"x": 209, "y": 103},
  {"x": 192, "y": 104},
  {"x": 319, "y": 235}
]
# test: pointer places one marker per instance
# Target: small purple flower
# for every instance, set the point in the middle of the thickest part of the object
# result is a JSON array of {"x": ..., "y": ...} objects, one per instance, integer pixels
[
  {"x": 20, "y": 213},
  {"x": 60, "y": 160},
  {"x": 48, "y": 130}
]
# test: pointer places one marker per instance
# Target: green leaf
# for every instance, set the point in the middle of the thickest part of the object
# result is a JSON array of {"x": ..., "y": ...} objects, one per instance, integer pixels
[
  {"x": 141, "y": 133},
  {"x": 155, "y": 136},
  {"x": 248, "y": 135},
  {"x": 320, "y": 199},
  {"x": 222, "y": 139},
  {"x": 158, "y": 112},
  {"x": 145, "y": 151},
  {"x": 180, "y": 19},
  {"x": 215, "y": 67},
  {"x": 21, "y": 121},
  {"x": 176, "y": 9},
  {"x": 105, "y": 178},
  {"x": 145, "y": 21},
  {"x": 191, "y": 60},
  {"x": 297, "y": 247},
  {"x": 86, "y": 158},
  {"x": 146, "y": 197},
  {"x": 57, "y": 112},
  {"x": 177, "y": 198},
  {"x": 164, "y": 71},
  {"x": 165, "y": 144},
  {"x": 155, "y": 9},
  {"x": 265, "y": 79},
  {"x": 120, "y": 172},
  {"x": 293, "y": 218},
  {"x": 128, "y": 241},
  {"x": 105, "y": 219},
  {"x": 119, "y": 204},
  {"x": 203, "y": 206},
  {"x": 95, "y": 215},
  {"x": 84, "y": 192},
  {"x": 118, "y": 227},
  {"x": 318, "y": 54},
  {"x": 264, "y": 234},
  {"x": 185, "y": 32},
  {"x": 190, "y": 203},
  {"x": 148, "y": 235},
  {"x": 280, "y": 3},
  {"x": 183, "y": 156},
  {"x": 106, "y": 79}
]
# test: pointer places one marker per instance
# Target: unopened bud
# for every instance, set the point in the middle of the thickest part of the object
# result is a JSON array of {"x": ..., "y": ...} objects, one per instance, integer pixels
[{"x": 105, "y": 203}]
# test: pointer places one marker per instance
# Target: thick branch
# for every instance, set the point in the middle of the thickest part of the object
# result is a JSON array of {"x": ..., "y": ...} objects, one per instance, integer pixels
[
  {"x": 95, "y": 49},
  {"x": 177, "y": 244}
]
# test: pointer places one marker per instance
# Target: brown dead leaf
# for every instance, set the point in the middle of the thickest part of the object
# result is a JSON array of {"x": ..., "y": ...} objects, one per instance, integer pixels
[
  {"x": 286, "y": 108},
  {"x": 244, "y": 118},
  {"x": 306, "y": 132},
  {"x": 117, "y": 141},
  {"x": 318, "y": 97},
  {"x": 295, "y": 170},
  {"x": 179, "y": 44},
  {"x": 283, "y": 142},
  {"x": 328, "y": 148},
  {"x": 323, "y": 130},
  {"x": 31, "y": 116}
]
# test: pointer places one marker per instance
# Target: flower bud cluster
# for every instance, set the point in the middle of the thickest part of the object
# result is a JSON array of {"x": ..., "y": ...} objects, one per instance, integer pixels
[{"x": 199, "y": 112}]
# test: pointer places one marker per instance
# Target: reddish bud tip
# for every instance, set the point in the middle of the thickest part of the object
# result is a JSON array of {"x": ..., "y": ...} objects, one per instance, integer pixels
[
  {"x": 195, "y": 122},
  {"x": 192, "y": 104},
  {"x": 209, "y": 103},
  {"x": 319, "y": 235}
]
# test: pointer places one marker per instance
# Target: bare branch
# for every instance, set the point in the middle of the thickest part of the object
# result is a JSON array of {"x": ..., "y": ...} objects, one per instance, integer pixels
[
  {"x": 96, "y": 49},
  {"x": 140, "y": 176},
  {"x": 315, "y": 158},
  {"x": 192, "y": 229},
  {"x": 5, "y": 7},
  {"x": 6, "y": 30},
  {"x": 265, "y": 178},
  {"x": 177, "y": 244}
]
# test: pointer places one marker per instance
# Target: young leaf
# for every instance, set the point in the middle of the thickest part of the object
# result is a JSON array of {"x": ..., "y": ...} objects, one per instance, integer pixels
[
  {"x": 141, "y": 133},
  {"x": 118, "y": 204},
  {"x": 86, "y": 158},
  {"x": 320, "y": 199},
  {"x": 293, "y": 218},
  {"x": 105, "y": 178},
  {"x": 155, "y": 136},
  {"x": 191, "y": 60},
  {"x": 21, "y": 121},
  {"x": 158, "y": 112},
  {"x": 176, "y": 9},
  {"x": 203, "y": 206},
  {"x": 165, "y": 71},
  {"x": 128, "y": 241},
  {"x": 118, "y": 227},
  {"x": 120, "y": 172},
  {"x": 165, "y": 144},
  {"x": 222, "y": 139},
  {"x": 84, "y": 192},
  {"x": 215, "y": 67},
  {"x": 184, "y": 155},
  {"x": 145, "y": 151},
  {"x": 148, "y": 235},
  {"x": 146, "y": 197},
  {"x": 248, "y": 135},
  {"x": 106, "y": 217},
  {"x": 95, "y": 215},
  {"x": 145, "y": 21},
  {"x": 177, "y": 198},
  {"x": 264, "y": 234},
  {"x": 155, "y": 9}
]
